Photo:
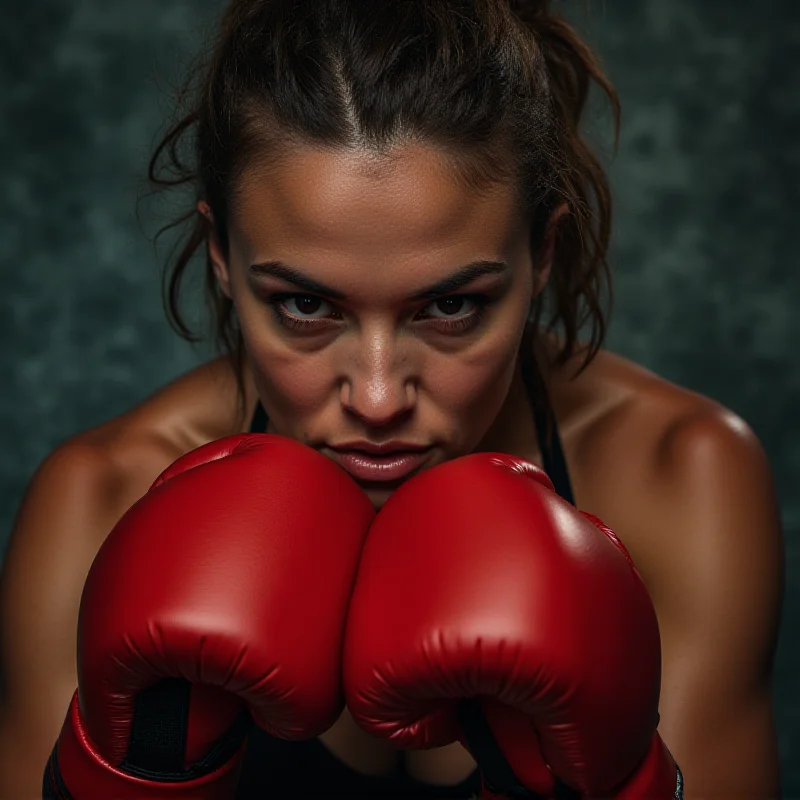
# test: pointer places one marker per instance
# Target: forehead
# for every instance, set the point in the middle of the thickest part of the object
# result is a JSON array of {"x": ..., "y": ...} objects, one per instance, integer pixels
[{"x": 404, "y": 200}]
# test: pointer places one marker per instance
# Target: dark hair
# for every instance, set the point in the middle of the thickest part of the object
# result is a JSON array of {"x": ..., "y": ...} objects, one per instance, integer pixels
[{"x": 499, "y": 86}]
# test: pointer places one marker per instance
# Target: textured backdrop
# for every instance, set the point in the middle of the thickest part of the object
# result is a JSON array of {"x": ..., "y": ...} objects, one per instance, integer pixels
[{"x": 705, "y": 244}]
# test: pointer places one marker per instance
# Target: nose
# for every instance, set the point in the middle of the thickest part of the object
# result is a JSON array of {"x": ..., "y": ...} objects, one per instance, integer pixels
[{"x": 379, "y": 387}]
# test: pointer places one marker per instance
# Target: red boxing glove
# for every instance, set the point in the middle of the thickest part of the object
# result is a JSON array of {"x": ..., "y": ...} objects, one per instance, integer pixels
[
  {"x": 221, "y": 594},
  {"x": 480, "y": 590}
]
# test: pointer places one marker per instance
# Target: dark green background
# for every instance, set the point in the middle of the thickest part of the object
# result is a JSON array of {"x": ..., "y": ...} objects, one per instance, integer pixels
[{"x": 705, "y": 245}]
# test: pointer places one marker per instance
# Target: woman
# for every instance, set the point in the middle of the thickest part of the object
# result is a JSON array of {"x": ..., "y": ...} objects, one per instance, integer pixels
[{"x": 404, "y": 233}]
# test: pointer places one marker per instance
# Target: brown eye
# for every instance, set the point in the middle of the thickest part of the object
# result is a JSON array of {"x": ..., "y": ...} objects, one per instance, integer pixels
[
  {"x": 302, "y": 312},
  {"x": 301, "y": 305},
  {"x": 450, "y": 305},
  {"x": 308, "y": 305},
  {"x": 456, "y": 313}
]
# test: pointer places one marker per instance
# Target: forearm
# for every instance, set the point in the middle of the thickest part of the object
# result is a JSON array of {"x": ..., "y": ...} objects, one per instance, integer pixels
[
  {"x": 22, "y": 762},
  {"x": 737, "y": 760}
]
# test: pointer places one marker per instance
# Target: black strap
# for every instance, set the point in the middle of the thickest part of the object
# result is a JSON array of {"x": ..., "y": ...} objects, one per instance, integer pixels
[
  {"x": 259, "y": 421},
  {"x": 159, "y": 730},
  {"x": 157, "y": 742},
  {"x": 553, "y": 461}
]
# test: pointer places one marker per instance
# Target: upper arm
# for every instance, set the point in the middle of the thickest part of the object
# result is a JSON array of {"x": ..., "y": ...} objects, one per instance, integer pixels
[
  {"x": 64, "y": 515},
  {"x": 717, "y": 586}
]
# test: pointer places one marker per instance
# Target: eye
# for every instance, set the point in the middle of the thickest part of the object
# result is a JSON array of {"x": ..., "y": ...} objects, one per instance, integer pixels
[
  {"x": 450, "y": 306},
  {"x": 448, "y": 314},
  {"x": 301, "y": 312},
  {"x": 302, "y": 305}
]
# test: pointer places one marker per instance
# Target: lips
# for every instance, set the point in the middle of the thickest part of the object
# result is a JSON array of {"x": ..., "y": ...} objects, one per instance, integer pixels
[{"x": 380, "y": 468}]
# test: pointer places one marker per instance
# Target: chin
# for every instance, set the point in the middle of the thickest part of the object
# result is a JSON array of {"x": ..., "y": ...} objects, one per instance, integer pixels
[{"x": 379, "y": 496}]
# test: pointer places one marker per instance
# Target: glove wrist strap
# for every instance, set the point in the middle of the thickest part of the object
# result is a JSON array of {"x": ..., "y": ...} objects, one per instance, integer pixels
[
  {"x": 497, "y": 775},
  {"x": 657, "y": 778},
  {"x": 76, "y": 771}
]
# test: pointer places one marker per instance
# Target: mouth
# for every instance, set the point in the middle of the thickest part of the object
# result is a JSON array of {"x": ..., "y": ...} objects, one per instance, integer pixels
[{"x": 381, "y": 467}]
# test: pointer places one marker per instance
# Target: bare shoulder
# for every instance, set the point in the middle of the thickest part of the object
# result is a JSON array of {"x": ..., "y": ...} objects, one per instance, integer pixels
[
  {"x": 190, "y": 411},
  {"x": 107, "y": 468},
  {"x": 667, "y": 468}
]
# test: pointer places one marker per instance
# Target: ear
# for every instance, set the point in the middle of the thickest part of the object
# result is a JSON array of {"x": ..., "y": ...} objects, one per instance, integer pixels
[
  {"x": 218, "y": 260},
  {"x": 545, "y": 263}
]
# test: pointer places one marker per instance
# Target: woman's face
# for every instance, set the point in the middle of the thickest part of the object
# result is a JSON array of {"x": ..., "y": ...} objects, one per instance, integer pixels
[{"x": 380, "y": 302}]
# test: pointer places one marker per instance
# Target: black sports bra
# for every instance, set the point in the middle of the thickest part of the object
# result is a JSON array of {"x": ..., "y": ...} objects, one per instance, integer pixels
[{"x": 277, "y": 768}]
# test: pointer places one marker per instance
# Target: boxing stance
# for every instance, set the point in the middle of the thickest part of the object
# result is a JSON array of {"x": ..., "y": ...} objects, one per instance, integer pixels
[
  {"x": 403, "y": 234},
  {"x": 223, "y": 595}
]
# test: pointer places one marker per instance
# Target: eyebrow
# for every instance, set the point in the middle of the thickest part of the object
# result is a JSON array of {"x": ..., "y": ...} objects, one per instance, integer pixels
[{"x": 460, "y": 277}]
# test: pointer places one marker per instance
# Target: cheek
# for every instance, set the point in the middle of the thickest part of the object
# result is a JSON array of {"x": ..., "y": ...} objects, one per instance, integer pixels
[
  {"x": 291, "y": 384},
  {"x": 462, "y": 380},
  {"x": 471, "y": 389},
  {"x": 292, "y": 387}
]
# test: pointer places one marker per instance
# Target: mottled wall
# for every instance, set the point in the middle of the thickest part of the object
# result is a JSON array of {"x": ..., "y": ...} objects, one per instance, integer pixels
[{"x": 704, "y": 255}]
